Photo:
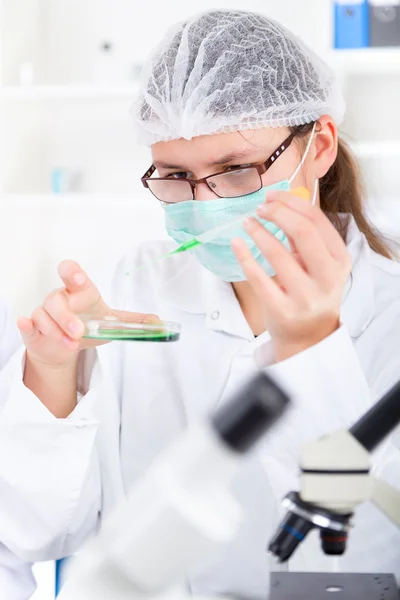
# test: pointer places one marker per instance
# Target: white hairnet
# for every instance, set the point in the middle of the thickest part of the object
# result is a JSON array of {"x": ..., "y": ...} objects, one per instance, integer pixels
[{"x": 228, "y": 70}]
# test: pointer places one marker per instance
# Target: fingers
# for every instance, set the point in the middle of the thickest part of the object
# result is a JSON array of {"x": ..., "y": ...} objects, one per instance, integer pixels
[
  {"x": 28, "y": 331},
  {"x": 83, "y": 294},
  {"x": 50, "y": 329},
  {"x": 74, "y": 278},
  {"x": 261, "y": 283},
  {"x": 305, "y": 237},
  {"x": 290, "y": 274},
  {"x": 42, "y": 325},
  {"x": 57, "y": 307},
  {"x": 332, "y": 239},
  {"x": 137, "y": 317}
]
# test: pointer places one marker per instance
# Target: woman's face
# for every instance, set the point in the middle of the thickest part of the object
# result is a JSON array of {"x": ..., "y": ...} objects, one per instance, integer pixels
[{"x": 209, "y": 154}]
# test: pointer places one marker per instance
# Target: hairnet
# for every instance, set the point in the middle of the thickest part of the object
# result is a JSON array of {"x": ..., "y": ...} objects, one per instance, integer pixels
[{"x": 227, "y": 70}]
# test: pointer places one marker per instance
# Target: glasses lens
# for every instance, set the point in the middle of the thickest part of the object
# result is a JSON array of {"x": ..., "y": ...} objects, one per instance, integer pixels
[
  {"x": 236, "y": 183},
  {"x": 170, "y": 190}
]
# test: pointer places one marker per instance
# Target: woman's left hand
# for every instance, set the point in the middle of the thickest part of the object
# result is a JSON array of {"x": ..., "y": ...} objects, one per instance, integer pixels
[{"x": 302, "y": 305}]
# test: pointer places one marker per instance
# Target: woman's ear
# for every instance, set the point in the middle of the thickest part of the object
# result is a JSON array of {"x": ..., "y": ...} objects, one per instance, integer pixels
[{"x": 326, "y": 145}]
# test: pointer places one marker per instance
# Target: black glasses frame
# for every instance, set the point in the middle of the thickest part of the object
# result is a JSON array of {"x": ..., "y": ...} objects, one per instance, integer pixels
[{"x": 261, "y": 169}]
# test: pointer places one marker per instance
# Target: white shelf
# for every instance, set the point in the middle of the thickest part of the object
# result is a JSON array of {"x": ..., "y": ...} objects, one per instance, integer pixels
[
  {"x": 66, "y": 92},
  {"x": 365, "y": 60},
  {"x": 78, "y": 202},
  {"x": 71, "y": 198},
  {"x": 378, "y": 149}
]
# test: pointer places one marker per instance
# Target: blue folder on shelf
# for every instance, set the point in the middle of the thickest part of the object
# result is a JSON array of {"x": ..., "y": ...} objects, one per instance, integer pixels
[{"x": 351, "y": 24}]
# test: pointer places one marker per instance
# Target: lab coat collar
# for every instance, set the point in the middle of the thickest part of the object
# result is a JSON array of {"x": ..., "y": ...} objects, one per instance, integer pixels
[{"x": 195, "y": 290}]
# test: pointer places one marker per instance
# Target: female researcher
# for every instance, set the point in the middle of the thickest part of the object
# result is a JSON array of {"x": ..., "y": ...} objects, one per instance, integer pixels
[{"x": 230, "y": 103}]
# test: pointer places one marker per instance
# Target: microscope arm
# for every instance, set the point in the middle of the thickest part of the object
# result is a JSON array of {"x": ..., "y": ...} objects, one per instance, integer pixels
[{"x": 387, "y": 499}]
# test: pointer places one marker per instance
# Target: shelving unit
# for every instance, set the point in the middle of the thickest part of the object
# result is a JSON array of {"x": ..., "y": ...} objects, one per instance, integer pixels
[
  {"x": 382, "y": 149},
  {"x": 369, "y": 61},
  {"x": 75, "y": 114},
  {"x": 351, "y": 64},
  {"x": 66, "y": 92}
]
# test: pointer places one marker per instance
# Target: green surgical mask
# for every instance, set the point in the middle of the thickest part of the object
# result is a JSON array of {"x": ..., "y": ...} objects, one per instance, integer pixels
[{"x": 186, "y": 220}]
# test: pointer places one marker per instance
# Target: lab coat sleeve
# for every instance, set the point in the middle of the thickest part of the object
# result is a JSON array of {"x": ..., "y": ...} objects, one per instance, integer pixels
[
  {"x": 16, "y": 578},
  {"x": 329, "y": 391},
  {"x": 50, "y": 486},
  {"x": 326, "y": 384}
]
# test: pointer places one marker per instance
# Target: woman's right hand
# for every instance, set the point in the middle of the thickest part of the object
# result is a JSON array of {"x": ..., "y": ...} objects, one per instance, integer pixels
[{"x": 53, "y": 334}]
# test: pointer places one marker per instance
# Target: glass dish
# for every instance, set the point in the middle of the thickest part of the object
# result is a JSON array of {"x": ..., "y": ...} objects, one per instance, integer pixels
[{"x": 116, "y": 329}]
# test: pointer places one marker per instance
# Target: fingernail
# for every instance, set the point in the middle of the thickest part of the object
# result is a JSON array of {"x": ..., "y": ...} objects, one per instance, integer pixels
[
  {"x": 79, "y": 278},
  {"x": 237, "y": 245},
  {"x": 271, "y": 197},
  {"x": 262, "y": 209},
  {"x": 71, "y": 344},
  {"x": 249, "y": 223},
  {"x": 151, "y": 320},
  {"x": 75, "y": 327}
]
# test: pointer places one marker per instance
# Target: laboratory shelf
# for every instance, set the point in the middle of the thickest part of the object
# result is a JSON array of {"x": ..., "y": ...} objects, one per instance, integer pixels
[
  {"x": 348, "y": 62},
  {"x": 70, "y": 199},
  {"x": 371, "y": 61},
  {"x": 66, "y": 92},
  {"x": 377, "y": 149}
]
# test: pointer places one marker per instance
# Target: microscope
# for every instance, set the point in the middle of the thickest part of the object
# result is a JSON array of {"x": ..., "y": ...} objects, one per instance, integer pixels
[
  {"x": 335, "y": 478},
  {"x": 180, "y": 514}
]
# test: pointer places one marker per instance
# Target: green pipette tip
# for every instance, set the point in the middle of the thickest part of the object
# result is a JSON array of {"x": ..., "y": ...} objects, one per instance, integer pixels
[
  {"x": 185, "y": 246},
  {"x": 182, "y": 248}
]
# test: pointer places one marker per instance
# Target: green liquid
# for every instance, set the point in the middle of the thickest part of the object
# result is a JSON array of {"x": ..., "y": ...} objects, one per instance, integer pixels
[
  {"x": 186, "y": 246},
  {"x": 134, "y": 335}
]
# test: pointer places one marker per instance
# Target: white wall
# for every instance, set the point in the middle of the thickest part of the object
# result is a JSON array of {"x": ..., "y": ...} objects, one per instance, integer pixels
[{"x": 94, "y": 231}]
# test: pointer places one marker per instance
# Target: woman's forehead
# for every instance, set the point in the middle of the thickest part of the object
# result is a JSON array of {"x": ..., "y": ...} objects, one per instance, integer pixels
[{"x": 219, "y": 149}]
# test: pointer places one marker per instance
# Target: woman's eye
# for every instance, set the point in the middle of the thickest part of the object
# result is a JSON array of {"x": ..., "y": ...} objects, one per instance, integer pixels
[
  {"x": 237, "y": 167},
  {"x": 178, "y": 175}
]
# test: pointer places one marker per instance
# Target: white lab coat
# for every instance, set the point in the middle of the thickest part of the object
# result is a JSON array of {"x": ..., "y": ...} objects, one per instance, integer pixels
[
  {"x": 16, "y": 579},
  {"x": 61, "y": 473}
]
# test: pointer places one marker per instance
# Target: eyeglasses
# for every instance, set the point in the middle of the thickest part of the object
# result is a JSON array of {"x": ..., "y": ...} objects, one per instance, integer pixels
[{"x": 238, "y": 181}]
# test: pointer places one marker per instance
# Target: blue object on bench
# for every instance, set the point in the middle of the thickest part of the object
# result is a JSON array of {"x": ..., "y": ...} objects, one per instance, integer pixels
[{"x": 59, "y": 575}]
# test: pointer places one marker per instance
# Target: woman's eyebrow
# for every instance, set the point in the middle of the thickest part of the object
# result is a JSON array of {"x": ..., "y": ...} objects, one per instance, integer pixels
[
  {"x": 159, "y": 164},
  {"x": 233, "y": 156},
  {"x": 227, "y": 158}
]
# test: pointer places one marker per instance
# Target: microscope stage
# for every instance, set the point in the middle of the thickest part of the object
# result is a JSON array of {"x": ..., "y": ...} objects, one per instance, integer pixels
[{"x": 332, "y": 586}]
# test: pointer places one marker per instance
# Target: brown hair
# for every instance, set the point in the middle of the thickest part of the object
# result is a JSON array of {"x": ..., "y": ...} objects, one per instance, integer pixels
[{"x": 342, "y": 191}]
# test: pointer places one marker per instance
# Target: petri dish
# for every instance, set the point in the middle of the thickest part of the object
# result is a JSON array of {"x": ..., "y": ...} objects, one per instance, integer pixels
[{"x": 115, "y": 329}]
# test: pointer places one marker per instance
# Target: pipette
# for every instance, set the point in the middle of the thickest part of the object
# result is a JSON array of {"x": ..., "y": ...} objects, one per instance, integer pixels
[{"x": 212, "y": 234}]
